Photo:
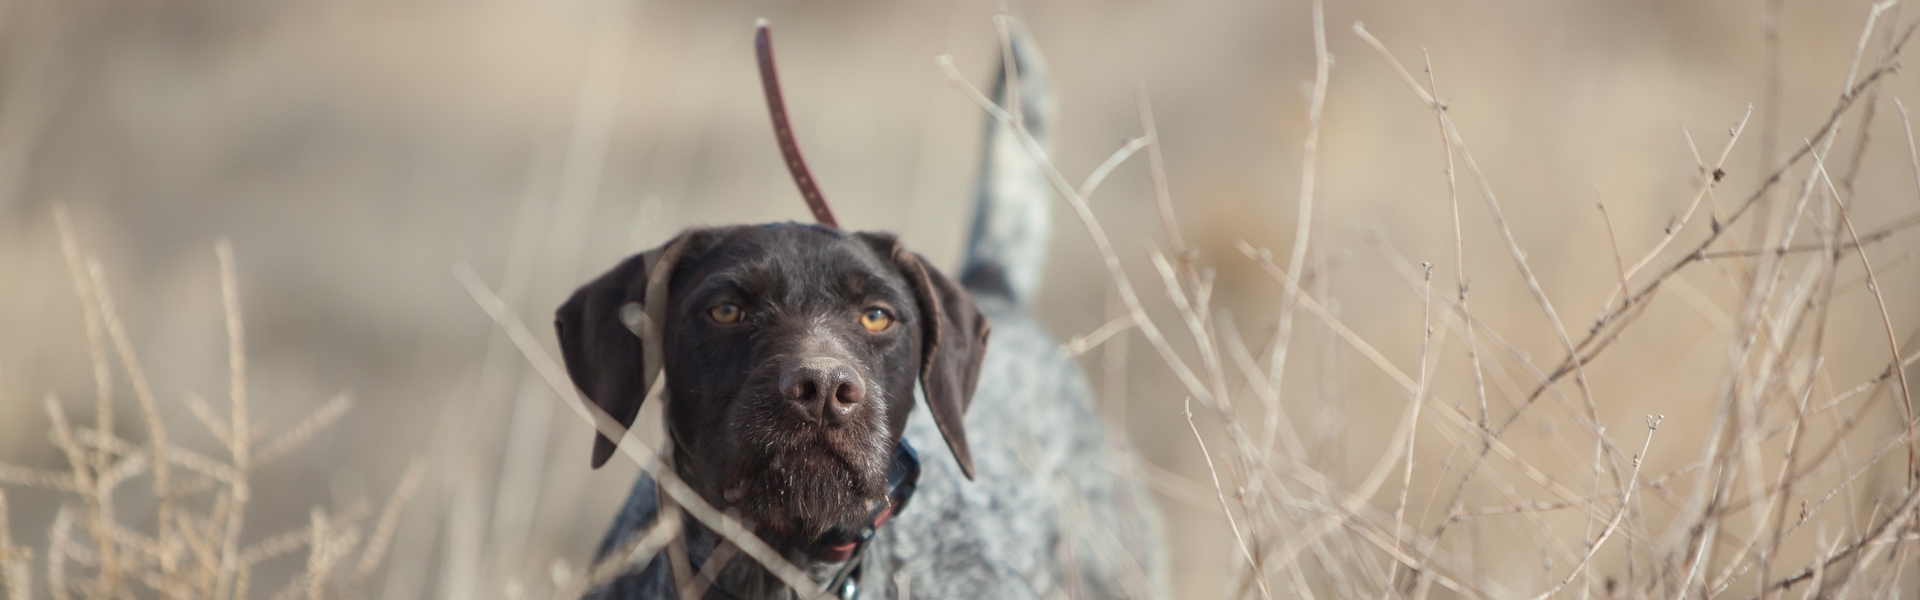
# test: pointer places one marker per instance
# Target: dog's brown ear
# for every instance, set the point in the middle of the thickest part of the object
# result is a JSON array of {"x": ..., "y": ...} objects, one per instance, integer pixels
[
  {"x": 610, "y": 335},
  {"x": 953, "y": 343}
]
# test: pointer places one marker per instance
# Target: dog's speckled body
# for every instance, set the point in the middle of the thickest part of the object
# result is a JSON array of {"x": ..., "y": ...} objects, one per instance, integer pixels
[
  {"x": 1044, "y": 513},
  {"x": 1039, "y": 460}
]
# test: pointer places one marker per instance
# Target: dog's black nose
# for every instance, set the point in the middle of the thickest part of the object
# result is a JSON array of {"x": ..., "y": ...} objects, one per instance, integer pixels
[{"x": 822, "y": 388}]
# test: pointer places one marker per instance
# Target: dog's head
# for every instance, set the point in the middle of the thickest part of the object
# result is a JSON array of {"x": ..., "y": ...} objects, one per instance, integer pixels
[{"x": 790, "y": 354}]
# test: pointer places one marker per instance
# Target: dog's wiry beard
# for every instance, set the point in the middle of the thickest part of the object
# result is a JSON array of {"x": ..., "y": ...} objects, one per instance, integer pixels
[{"x": 800, "y": 480}]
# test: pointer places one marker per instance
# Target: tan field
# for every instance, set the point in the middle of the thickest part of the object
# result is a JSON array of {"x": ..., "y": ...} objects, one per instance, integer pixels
[{"x": 218, "y": 211}]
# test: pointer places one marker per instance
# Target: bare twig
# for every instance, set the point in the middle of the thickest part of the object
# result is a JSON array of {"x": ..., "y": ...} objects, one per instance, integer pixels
[
  {"x": 1612, "y": 239},
  {"x": 1653, "y": 423},
  {"x": 239, "y": 425},
  {"x": 302, "y": 432},
  {"x": 149, "y": 408},
  {"x": 1100, "y": 240},
  {"x": 1105, "y": 168},
  {"x": 684, "y": 495},
  {"x": 1413, "y": 426},
  {"x": 1303, "y": 220},
  {"x": 383, "y": 531},
  {"x": 1893, "y": 342},
  {"x": 639, "y": 550},
  {"x": 1221, "y": 494},
  {"x": 1157, "y": 171}
]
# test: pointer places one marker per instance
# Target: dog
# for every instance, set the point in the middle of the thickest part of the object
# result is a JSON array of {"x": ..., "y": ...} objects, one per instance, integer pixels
[{"x": 792, "y": 354}]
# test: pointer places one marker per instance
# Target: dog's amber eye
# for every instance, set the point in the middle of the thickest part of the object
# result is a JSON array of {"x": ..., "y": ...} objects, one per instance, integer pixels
[
  {"x": 725, "y": 313},
  {"x": 875, "y": 319}
]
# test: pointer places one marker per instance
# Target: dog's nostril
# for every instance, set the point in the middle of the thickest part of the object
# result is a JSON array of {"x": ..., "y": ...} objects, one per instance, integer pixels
[
  {"x": 801, "y": 389},
  {"x": 850, "y": 391}
]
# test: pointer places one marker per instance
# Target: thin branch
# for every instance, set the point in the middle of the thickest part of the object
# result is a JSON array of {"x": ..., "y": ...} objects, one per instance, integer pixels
[
  {"x": 1303, "y": 220},
  {"x": 302, "y": 432},
  {"x": 1119, "y": 156},
  {"x": 1883, "y": 232},
  {"x": 1157, "y": 171},
  {"x": 1081, "y": 344},
  {"x": 1612, "y": 240},
  {"x": 383, "y": 531},
  {"x": 1886, "y": 320},
  {"x": 1100, "y": 240},
  {"x": 1221, "y": 495},
  {"x": 683, "y": 494},
  {"x": 1653, "y": 423}
]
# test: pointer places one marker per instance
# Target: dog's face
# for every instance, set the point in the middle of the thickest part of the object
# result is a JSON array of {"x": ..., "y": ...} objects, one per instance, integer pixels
[
  {"x": 791, "y": 362},
  {"x": 790, "y": 354}
]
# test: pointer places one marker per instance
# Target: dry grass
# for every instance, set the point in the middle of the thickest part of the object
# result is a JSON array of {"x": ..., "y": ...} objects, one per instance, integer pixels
[
  {"x": 194, "y": 548},
  {"x": 1495, "y": 475},
  {"x": 1303, "y": 532}
]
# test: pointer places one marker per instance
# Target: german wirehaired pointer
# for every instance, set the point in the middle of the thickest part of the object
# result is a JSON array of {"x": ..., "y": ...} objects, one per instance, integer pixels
[{"x": 791, "y": 354}]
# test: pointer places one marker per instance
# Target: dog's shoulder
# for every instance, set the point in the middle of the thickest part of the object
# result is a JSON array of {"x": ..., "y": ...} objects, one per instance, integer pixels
[
  {"x": 637, "y": 516},
  {"x": 1041, "y": 479}
]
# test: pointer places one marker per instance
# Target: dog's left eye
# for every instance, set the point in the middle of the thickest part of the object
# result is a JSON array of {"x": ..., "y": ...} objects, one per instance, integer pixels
[{"x": 875, "y": 319}]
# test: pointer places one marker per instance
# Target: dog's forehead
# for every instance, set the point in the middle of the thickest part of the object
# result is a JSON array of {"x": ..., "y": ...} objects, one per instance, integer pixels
[{"x": 789, "y": 259}]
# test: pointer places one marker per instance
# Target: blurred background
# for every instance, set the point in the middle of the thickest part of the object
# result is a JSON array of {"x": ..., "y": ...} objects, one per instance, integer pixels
[{"x": 355, "y": 151}]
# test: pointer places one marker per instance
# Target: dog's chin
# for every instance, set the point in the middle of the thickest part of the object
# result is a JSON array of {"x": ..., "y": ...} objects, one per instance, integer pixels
[{"x": 805, "y": 493}]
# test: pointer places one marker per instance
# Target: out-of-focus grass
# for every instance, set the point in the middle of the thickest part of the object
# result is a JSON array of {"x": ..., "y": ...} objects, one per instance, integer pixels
[
  {"x": 199, "y": 502},
  {"x": 354, "y": 151}
]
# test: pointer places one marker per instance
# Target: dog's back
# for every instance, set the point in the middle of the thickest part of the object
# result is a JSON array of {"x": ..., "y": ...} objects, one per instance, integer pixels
[{"x": 1045, "y": 513}]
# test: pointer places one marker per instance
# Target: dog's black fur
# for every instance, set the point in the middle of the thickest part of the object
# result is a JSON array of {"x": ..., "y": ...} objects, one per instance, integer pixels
[{"x": 790, "y": 413}]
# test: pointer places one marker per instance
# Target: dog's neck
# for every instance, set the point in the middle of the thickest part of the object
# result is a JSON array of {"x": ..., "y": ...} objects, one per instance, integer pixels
[{"x": 744, "y": 578}]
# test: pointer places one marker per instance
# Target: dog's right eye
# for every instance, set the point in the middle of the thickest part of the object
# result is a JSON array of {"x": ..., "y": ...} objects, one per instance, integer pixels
[{"x": 725, "y": 313}]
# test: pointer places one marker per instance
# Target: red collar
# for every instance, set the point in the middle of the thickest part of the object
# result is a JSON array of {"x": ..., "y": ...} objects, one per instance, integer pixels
[{"x": 903, "y": 476}]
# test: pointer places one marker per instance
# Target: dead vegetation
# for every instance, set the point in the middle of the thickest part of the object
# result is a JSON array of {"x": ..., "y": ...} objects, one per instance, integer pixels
[
  {"x": 1803, "y": 484},
  {"x": 198, "y": 546},
  {"x": 1749, "y": 518}
]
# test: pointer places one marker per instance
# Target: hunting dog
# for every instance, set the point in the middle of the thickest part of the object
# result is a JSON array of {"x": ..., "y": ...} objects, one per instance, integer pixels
[{"x": 791, "y": 354}]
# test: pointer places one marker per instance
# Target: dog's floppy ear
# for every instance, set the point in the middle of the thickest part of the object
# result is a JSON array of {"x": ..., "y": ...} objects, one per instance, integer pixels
[
  {"x": 953, "y": 343},
  {"x": 610, "y": 335}
]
